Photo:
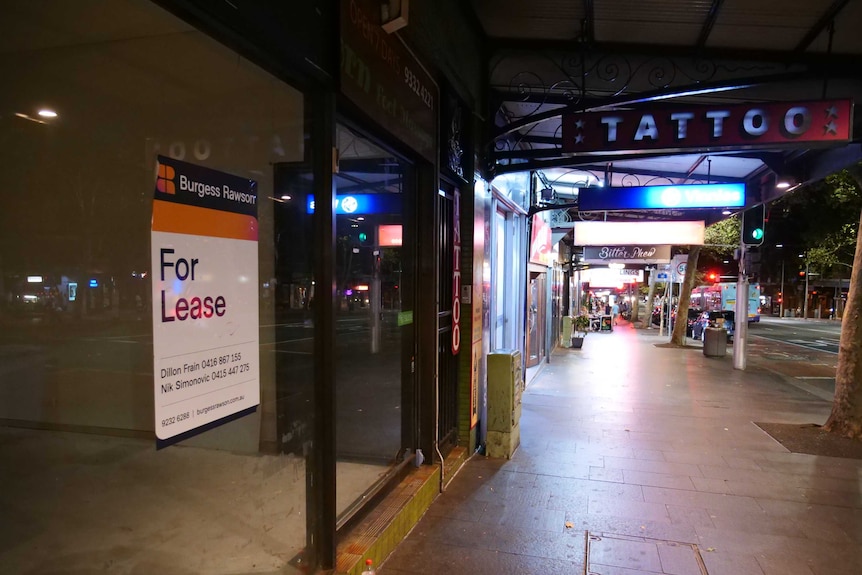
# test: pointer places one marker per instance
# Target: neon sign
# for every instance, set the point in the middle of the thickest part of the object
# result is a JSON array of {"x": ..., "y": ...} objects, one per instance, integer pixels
[
  {"x": 356, "y": 204},
  {"x": 662, "y": 197}
]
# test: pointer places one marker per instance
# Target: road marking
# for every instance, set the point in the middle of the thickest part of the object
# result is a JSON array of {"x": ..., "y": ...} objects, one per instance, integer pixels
[
  {"x": 815, "y": 377},
  {"x": 807, "y": 342},
  {"x": 809, "y": 346}
]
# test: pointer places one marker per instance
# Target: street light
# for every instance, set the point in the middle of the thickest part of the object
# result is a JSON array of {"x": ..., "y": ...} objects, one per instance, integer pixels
[
  {"x": 781, "y": 301},
  {"x": 805, "y": 304}
]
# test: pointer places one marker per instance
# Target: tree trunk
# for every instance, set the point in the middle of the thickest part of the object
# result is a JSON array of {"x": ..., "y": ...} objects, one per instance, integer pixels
[
  {"x": 650, "y": 301},
  {"x": 635, "y": 306},
  {"x": 846, "y": 416},
  {"x": 681, "y": 323}
]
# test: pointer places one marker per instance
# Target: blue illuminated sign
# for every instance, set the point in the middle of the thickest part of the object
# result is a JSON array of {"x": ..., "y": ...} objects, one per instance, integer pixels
[
  {"x": 356, "y": 204},
  {"x": 662, "y": 197},
  {"x": 94, "y": 283}
]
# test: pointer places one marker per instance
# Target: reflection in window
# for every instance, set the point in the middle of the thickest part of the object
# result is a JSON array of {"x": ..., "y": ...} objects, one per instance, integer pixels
[
  {"x": 370, "y": 274},
  {"x": 127, "y": 81}
]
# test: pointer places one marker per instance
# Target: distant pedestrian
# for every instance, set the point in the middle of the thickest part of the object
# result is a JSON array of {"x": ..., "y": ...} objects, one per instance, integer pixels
[{"x": 615, "y": 312}]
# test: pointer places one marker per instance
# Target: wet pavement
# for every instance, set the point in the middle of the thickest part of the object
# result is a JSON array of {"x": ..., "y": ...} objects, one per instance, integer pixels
[{"x": 637, "y": 459}]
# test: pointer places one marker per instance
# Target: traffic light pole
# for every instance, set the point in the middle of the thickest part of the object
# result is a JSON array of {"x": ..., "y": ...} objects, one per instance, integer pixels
[
  {"x": 740, "y": 332},
  {"x": 750, "y": 234}
]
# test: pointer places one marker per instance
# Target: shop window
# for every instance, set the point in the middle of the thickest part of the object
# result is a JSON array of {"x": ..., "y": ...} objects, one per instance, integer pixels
[{"x": 93, "y": 93}]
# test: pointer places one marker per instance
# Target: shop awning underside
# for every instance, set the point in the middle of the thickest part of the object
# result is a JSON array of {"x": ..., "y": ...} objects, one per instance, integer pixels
[{"x": 554, "y": 57}]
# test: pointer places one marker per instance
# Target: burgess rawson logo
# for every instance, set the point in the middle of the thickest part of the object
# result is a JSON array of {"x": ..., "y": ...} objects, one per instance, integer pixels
[
  {"x": 190, "y": 184},
  {"x": 681, "y": 127}
]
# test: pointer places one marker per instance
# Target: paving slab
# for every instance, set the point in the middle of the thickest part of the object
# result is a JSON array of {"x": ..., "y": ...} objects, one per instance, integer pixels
[{"x": 638, "y": 458}]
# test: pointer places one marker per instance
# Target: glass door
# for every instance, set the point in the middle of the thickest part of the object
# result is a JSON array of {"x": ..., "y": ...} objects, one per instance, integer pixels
[{"x": 372, "y": 321}]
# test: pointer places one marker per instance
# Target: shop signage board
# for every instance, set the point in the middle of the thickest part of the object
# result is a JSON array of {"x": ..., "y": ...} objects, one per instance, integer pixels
[
  {"x": 541, "y": 246},
  {"x": 361, "y": 204},
  {"x": 637, "y": 254},
  {"x": 456, "y": 273},
  {"x": 591, "y": 233},
  {"x": 717, "y": 127},
  {"x": 632, "y": 275},
  {"x": 205, "y": 299},
  {"x": 662, "y": 197},
  {"x": 383, "y": 78}
]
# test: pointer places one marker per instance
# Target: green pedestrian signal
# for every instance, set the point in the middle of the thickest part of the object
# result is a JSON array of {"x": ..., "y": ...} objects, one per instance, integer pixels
[
  {"x": 362, "y": 236},
  {"x": 752, "y": 226}
]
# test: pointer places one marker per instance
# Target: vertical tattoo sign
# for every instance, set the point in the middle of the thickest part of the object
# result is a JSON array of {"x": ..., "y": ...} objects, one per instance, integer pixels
[{"x": 456, "y": 273}]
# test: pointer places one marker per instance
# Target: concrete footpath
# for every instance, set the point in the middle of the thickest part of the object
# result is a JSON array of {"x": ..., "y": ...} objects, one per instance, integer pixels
[{"x": 637, "y": 459}]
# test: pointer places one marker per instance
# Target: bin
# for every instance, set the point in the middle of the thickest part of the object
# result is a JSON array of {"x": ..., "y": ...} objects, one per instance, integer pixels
[{"x": 714, "y": 342}]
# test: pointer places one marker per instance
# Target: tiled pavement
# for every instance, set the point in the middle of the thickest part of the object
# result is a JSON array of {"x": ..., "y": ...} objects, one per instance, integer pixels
[{"x": 637, "y": 459}]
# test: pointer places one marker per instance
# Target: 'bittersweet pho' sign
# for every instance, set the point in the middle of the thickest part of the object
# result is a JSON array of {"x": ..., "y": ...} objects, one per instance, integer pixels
[
  {"x": 708, "y": 127},
  {"x": 662, "y": 197}
]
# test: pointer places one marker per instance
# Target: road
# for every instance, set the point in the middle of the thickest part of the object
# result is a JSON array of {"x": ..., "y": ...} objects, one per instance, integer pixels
[
  {"x": 805, "y": 352},
  {"x": 818, "y": 335}
]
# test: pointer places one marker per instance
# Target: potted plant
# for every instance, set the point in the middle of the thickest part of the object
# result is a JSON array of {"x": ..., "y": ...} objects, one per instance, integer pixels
[{"x": 580, "y": 326}]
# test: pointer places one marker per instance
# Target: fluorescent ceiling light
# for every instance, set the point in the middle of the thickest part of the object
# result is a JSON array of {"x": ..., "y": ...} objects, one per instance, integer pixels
[
  {"x": 29, "y": 119},
  {"x": 46, "y": 113}
]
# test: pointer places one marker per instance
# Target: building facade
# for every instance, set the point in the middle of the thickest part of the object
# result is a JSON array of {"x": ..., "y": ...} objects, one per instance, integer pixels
[{"x": 233, "y": 253}]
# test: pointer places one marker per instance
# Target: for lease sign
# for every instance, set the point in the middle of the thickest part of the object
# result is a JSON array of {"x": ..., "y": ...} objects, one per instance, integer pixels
[{"x": 205, "y": 299}]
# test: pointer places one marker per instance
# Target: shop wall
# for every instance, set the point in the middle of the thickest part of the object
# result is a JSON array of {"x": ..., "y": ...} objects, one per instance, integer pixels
[
  {"x": 449, "y": 37},
  {"x": 294, "y": 39}
]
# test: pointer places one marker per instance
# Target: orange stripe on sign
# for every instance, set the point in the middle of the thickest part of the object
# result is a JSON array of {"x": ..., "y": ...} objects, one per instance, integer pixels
[{"x": 183, "y": 219}]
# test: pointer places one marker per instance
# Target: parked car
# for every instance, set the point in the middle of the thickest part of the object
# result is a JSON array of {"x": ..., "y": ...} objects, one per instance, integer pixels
[
  {"x": 724, "y": 319},
  {"x": 693, "y": 315}
]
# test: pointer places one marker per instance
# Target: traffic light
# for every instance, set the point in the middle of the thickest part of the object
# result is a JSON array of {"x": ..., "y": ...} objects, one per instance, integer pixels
[
  {"x": 752, "y": 226},
  {"x": 712, "y": 276}
]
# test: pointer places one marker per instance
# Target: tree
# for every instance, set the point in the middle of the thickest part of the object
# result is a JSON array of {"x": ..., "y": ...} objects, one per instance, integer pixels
[
  {"x": 721, "y": 238},
  {"x": 680, "y": 326},
  {"x": 846, "y": 416}
]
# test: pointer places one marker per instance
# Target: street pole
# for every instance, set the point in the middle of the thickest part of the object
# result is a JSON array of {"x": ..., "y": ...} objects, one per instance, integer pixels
[
  {"x": 741, "y": 313},
  {"x": 805, "y": 304},
  {"x": 839, "y": 305},
  {"x": 781, "y": 304}
]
